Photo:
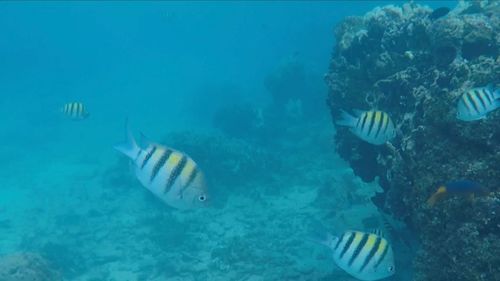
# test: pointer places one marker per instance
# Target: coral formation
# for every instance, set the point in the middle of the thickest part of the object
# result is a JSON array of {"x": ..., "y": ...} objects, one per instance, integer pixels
[
  {"x": 241, "y": 120},
  {"x": 399, "y": 60},
  {"x": 26, "y": 267},
  {"x": 234, "y": 157},
  {"x": 257, "y": 234},
  {"x": 295, "y": 92}
]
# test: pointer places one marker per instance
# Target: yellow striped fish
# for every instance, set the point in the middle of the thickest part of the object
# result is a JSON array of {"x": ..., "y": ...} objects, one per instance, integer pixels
[
  {"x": 374, "y": 126},
  {"x": 476, "y": 103},
  {"x": 366, "y": 256},
  {"x": 169, "y": 174},
  {"x": 75, "y": 110}
]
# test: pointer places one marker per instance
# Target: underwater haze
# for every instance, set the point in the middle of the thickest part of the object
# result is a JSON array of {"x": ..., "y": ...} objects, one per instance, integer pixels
[{"x": 229, "y": 167}]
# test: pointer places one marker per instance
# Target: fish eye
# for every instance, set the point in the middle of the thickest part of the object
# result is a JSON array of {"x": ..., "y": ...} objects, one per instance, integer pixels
[
  {"x": 390, "y": 268},
  {"x": 202, "y": 198}
]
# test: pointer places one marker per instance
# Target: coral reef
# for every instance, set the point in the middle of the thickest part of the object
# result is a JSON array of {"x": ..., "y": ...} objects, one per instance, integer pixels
[
  {"x": 295, "y": 92},
  {"x": 399, "y": 60},
  {"x": 241, "y": 120},
  {"x": 234, "y": 157},
  {"x": 26, "y": 267},
  {"x": 259, "y": 233},
  {"x": 294, "y": 95}
]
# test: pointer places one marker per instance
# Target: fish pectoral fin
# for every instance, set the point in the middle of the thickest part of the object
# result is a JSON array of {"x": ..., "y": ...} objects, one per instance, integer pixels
[{"x": 144, "y": 140}]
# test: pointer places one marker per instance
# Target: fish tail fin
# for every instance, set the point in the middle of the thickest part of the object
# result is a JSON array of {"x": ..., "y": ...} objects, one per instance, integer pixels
[
  {"x": 129, "y": 147},
  {"x": 496, "y": 92},
  {"x": 432, "y": 200},
  {"x": 496, "y": 96},
  {"x": 346, "y": 119},
  {"x": 320, "y": 235},
  {"x": 325, "y": 239},
  {"x": 437, "y": 196}
]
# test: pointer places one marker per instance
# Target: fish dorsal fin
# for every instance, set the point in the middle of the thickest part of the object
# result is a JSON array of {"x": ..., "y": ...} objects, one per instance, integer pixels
[
  {"x": 496, "y": 94},
  {"x": 144, "y": 140},
  {"x": 388, "y": 223},
  {"x": 358, "y": 112},
  {"x": 378, "y": 232},
  {"x": 490, "y": 87}
]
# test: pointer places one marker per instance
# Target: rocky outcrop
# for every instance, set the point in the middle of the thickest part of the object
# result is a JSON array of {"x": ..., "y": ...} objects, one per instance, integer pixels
[
  {"x": 26, "y": 267},
  {"x": 415, "y": 67}
]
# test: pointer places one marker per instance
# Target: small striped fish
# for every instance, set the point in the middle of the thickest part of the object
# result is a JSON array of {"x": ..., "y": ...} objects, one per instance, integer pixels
[
  {"x": 366, "y": 256},
  {"x": 169, "y": 174},
  {"x": 476, "y": 103},
  {"x": 75, "y": 110},
  {"x": 375, "y": 127}
]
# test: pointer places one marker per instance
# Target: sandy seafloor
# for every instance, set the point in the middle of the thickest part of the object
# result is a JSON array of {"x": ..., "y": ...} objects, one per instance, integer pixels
[
  {"x": 75, "y": 202},
  {"x": 67, "y": 195}
]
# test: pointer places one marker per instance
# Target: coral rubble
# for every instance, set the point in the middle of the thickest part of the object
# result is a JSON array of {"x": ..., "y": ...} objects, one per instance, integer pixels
[
  {"x": 26, "y": 267},
  {"x": 400, "y": 60}
]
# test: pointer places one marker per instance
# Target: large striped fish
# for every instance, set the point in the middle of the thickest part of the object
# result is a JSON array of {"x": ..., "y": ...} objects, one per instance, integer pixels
[
  {"x": 476, "y": 103},
  {"x": 373, "y": 126},
  {"x": 75, "y": 110},
  {"x": 366, "y": 256},
  {"x": 169, "y": 174}
]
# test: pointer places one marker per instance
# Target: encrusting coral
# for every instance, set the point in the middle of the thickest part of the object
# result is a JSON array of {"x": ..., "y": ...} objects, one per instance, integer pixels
[{"x": 399, "y": 60}]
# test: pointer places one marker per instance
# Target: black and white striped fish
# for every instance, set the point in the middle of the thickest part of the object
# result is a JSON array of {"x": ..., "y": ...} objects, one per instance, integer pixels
[
  {"x": 366, "y": 256},
  {"x": 476, "y": 103},
  {"x": 374, "y": 126},
  {"x": 75, "y": 110},
  {"x": 169, "y": 174}
]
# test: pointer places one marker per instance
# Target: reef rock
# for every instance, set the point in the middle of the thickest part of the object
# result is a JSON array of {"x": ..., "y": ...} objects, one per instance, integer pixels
[
  {"x": 399, "y": 60},
  {"x": 26, "y": 267}
]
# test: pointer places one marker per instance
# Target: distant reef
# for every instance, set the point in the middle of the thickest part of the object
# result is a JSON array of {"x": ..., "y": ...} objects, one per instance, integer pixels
[
  {"x": 26, "y": 267},
  {"x": 415, "y": 64}
]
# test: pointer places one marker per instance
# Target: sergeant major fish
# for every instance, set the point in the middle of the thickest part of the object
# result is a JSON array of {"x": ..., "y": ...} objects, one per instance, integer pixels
[
  {"x": 366, "y": 256},
  {"x": 75, "y": 110},
  {"x": 476, "y": 103},
  {"x": 170, "y": 175},
  {"x": 375, "y": 127}
]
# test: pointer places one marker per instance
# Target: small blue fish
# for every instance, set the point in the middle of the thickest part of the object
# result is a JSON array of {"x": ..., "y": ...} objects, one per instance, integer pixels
[
  {"x": 476, "y": 103},
  {"x": 460, "y": 187}
]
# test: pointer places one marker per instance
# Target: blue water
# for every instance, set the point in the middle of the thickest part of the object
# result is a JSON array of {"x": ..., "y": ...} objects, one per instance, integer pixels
[{"x": 171, "y": 68}]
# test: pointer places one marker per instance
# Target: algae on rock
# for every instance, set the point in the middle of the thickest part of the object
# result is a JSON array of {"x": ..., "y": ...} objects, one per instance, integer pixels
[{"x": 398, "y": 60}]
